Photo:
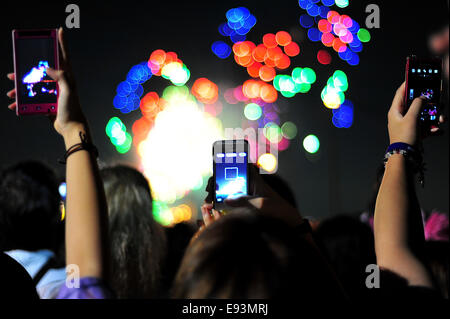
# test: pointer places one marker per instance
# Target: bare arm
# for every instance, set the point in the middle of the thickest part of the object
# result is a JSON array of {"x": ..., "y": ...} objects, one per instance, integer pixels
[
  {"x": 86, "y": 212},
  {"x": 398, "y": 224}
]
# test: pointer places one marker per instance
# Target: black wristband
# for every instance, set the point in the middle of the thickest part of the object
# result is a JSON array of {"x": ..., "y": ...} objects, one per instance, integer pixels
[{"x": 84, "y": 145}]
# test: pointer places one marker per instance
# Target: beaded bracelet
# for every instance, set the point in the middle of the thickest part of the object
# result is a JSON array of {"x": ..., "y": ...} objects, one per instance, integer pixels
[
  {"x": 84, "y": 145},
  {"x": 413, "y": 157}
]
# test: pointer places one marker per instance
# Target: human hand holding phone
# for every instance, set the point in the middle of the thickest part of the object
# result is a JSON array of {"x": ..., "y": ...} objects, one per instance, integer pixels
[
  {"x": 263, "y": 198},
  {"x": 403, "y": 123},
  {"x": 267, "y": 201},
  {"x": 69, "y": 117},
  {"x": 423, "y": 78}
]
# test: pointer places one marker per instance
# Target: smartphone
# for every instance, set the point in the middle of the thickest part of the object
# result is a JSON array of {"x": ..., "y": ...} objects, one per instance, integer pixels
[
  {"x": 424, "y": 78},
  {"x": 34, "y": 51},
  {"x": 230, "y": 170}
]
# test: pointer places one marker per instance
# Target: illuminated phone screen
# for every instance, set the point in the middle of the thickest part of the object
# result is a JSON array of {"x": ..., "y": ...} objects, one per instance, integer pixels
[
  {"x": 230, "y": 163},
  {"x": 424, "y": 79},
  {"x": 33, "y": 56}
]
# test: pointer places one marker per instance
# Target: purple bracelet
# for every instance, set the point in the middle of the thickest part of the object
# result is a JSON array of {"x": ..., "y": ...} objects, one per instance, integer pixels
[{"x": 413, "y": 157}]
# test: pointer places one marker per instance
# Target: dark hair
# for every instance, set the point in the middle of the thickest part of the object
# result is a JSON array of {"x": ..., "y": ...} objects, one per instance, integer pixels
[
  {"x": 30, "y": 218},
  {"x": 437, "y": 259},
  {"x": 247, "y": 255},
  {"x": 137, "y": 241},
  {"x": 281, "y": 187},
  {"x": 349, "y": 246},
  {"x": 178, "y": 238}
]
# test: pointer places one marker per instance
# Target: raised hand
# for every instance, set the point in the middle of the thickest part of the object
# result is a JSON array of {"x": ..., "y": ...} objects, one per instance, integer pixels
[{"x": 69, "y": 115}]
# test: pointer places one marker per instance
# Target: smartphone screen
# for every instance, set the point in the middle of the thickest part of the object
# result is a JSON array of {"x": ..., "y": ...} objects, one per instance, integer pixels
[
  {"x": 230, "y": 170},
  {"x": 34, "y": 51},
  {"x": 424, "y": 78}
]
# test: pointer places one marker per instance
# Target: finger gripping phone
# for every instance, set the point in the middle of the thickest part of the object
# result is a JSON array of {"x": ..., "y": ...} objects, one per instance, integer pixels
[
  {"x": 424, "y": 78},
  {"x": 34, "y": 52},
  {"x": 230, "y": 170}
]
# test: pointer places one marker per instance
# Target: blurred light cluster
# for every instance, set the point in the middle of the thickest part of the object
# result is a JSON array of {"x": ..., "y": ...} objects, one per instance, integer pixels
[
  {"x": 168, "y": 216},
  {"x": 336, "y": 31},
  {"x": 259, "y": 90},
  {"x": 343, "y": 116},
  {"x": 205, "y": 91},
  {"x": 333, "y": 93},
  {"x": 185, "y": 118},
  {"x": 239, "y": 22},
  {"x": 169, "y": 66},
  {"x": 117, "y": 133},
  {"x": 299, "y": 82},
  {"x": 263, "y": 59},
  {"x": 129, "y": 91},
  {"x": 181, "y": 133}
]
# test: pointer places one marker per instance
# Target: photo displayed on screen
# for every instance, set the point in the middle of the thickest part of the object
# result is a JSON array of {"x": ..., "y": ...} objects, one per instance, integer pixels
[
  {"x": 33, "y": 57},
  {"x": 231, "y": 175},
  {"x": 425, "y": 80}
]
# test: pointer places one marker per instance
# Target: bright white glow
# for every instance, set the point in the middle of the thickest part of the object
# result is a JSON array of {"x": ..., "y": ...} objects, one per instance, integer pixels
[
  {"x": 233, "y": 188},
  {"x": 311, "y": 144},
  {"x": 268, "y": 162},
  {"x": 177, "y": 152}
]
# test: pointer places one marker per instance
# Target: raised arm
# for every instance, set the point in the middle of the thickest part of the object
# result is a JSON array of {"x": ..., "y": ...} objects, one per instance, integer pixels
[
  {"x": 86, "y": 211},
  {"x": 398, "y": 223}
]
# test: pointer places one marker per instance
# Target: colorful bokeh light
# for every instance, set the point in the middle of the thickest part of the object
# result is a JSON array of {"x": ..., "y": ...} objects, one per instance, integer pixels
[
  {"x": 205, "y": 91},
  {"x": 323, "y": 57},
  {"x": 252, "y": 111},
  {"x": 117, "y": 132},
  {"x": 333, "y": 93},
  {"x": 221, "y": 49},
  {"x": 334, "y": 30},
  {"x": 289, "y": 130},
  {"x": 268, "y": 162},
  {"x": 311, "y": 144},
  {"x": 190, "y": 132},
  {"x": 343, "y": 116}
]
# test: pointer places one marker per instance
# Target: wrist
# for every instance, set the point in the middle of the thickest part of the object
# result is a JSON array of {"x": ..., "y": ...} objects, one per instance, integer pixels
[
  {"x": 395, "y": 159},
  {"x": 404, "y": 154},
  {"x": 71, "y": 134}
]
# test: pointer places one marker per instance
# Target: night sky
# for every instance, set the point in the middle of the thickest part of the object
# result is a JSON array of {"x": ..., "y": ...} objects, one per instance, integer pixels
[{"x": 117, "y": 35}]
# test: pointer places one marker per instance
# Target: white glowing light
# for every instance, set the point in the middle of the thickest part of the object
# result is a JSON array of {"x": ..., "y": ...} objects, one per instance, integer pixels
[{"x": 177, "y": 152}]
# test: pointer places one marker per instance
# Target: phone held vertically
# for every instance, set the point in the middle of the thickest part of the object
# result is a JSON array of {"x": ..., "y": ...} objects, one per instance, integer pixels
[
  {"x": 230, "y": 170},
  {"x": 424, "y": 78},
  {"x": 34, "y": 52}
]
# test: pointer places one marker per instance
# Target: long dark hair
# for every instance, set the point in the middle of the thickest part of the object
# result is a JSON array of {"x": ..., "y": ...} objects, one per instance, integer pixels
[{"x": 137, "y": 241}]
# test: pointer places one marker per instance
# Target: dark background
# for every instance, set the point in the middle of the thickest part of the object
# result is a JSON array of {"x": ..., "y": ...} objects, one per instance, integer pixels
[{"x": 117, "y": 35}]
